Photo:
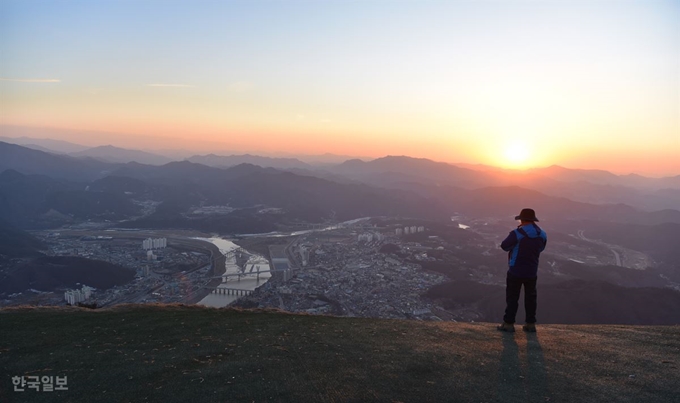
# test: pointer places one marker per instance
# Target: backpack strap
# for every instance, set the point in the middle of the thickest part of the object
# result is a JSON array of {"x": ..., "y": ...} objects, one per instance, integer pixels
[{"x": 524, "y": 233}]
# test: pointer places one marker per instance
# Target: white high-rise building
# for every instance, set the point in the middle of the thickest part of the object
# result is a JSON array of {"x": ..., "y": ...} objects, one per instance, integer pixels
[
  {"x": 304, "y": 255},
  {"x": 367, "y": 237},
  {"x": 154, "y": 243},
  {"x": 73, "y": 297},
  {"x": 87, "y": 291},
  {"x": 406, "y": 230},
  {"x": 399, "y": 231}
]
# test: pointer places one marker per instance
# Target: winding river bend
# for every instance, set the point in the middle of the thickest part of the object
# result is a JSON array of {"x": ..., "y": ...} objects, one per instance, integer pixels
[
  {"x": 251, "y": 282},
  {"x": 244, "y": 283}
]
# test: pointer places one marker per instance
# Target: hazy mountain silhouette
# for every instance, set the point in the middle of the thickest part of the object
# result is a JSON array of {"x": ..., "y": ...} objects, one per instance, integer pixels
[
  {"x": 587, "y": 192},
  {"x": 660, "y": 240},
  {"x": 302, "y": 197},
  {"x": 606, "y": 178},
  {"x": 225, "y": 161},
  {"x": 45, "y": 144},
  {"x": 16, "y": 243},
  {"x": 420, "y": 169},
  {"x": 28, "y": 161},
  {"x": 589, "y": 186},
  {"x": 183, "y": 183},
  {"x": 39, "y": 148},
  {"x": 113, "y": 154},
  {"x": 405, "y": 173},
  {"x": 37, "y": 201},
  {"x": 327, "y": 159},
  {"x": 22, "y": 198},
  {"x": 491, "y": 201},
  {"x": 576, "y": 175}
]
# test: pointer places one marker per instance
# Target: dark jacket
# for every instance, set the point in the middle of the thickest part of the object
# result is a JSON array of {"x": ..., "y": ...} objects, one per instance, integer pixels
[{"x": 524, "y": 245}]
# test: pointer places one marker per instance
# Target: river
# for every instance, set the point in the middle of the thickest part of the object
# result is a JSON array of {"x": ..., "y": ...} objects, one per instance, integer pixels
[
  {"x": 251, "y": 282},
  {"x": 244, "y": 283},
  {"x": 278, "y": 234}
]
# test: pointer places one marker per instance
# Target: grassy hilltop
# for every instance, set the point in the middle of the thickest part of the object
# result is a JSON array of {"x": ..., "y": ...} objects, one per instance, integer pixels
[{"x": 171, "y": 353}]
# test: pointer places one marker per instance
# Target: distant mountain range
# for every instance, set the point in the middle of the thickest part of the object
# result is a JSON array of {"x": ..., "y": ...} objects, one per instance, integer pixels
[
  {"x": 225, "y": 161},
  {"x": 47, "y": 145},
  {"x": 15, "y": 243},
  {"x": 39, "y": 201},
  {"x": 589, "y": 186},
  {"x": 120, "y": 155},
  {"x": 426, "y": 171},
  {"x": 600, "y": 177},
  {"x": 35, "y": 183},
  {"x": 388, "y": 169},
  {"x": 29, "y": 161},
  {"x": 395, "y": 167}
]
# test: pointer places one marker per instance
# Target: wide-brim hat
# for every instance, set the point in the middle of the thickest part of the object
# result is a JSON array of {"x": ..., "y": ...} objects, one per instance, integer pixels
[{"x": 527, "y": 214}]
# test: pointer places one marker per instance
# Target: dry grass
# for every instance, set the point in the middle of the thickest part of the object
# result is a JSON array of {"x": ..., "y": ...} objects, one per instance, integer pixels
[{"x": 189, "y": 353}]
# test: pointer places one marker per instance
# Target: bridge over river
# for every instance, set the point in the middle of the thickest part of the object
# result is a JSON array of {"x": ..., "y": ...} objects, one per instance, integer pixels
[
  {"x": 250, "y": 273},
  {"x": 228, "y": 291}
]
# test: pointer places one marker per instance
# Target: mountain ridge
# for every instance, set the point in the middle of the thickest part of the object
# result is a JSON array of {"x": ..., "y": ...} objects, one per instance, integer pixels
[{"x": 109, "y": 153}]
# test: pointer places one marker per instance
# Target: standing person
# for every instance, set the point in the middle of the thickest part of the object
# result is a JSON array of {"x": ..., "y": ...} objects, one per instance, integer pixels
[{"x": 524, "y": 245}]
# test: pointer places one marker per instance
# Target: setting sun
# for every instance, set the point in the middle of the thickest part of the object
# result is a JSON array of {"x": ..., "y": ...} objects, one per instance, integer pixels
[{"x": 517, "y": 155}]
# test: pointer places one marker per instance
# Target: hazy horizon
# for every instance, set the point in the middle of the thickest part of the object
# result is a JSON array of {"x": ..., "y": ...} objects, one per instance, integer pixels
[
  {"x": 154, "y": 145},
  {"x": 517, "y": 84}
]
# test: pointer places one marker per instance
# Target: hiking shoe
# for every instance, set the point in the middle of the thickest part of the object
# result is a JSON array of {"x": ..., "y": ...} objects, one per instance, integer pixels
[
  {"x": 506, "y": 327},
  {"x": 529, "y": 327}
]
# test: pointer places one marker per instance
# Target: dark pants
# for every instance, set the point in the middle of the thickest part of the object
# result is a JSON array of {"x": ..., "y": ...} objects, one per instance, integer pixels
[{"x": 512, "y": 290}]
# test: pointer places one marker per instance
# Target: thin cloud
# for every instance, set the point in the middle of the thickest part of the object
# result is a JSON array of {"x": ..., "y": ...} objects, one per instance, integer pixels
[
  {"x": 31, "y": 80},
  {"x": 171, "y": 85}
]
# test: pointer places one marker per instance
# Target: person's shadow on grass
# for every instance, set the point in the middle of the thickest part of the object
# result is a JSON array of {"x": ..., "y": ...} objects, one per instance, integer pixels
[
  {"x": 510, "y": 381},
  {"x": 517, "y": 383},
  {"x": 537, "y": 380}
]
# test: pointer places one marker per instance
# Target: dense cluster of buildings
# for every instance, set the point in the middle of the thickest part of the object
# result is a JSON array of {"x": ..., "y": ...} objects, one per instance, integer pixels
[
  {"x": 304, "y": 254},
  {"x": 73, "y": 297},
  {"x": 350, "y": 278},
  {"x": 170, "y": 277}
]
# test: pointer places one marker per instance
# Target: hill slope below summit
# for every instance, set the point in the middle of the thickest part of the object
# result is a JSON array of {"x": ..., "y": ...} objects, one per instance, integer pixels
[{"x": 182, "y": 353}]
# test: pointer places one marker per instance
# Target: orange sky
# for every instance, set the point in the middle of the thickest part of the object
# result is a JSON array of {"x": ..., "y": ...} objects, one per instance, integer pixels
[{"x": 516, "y": 85}]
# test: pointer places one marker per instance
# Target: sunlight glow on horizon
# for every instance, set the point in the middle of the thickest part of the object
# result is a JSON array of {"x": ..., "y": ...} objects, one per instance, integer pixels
[{"x": 517, "y": 155}]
